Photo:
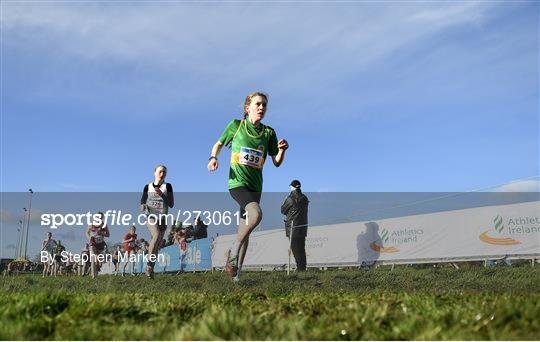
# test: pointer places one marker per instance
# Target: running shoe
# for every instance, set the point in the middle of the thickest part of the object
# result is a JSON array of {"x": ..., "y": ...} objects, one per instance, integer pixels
[{"x": 231, "y": 264}]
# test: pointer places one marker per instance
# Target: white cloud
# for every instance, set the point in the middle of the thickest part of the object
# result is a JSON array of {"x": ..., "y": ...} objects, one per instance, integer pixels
[
  {"x": 442, "y": 14},
  {"x": 520, "y": 186},
  {"x": 182, "y": 51},
  {"x": 178, "y": 34}
]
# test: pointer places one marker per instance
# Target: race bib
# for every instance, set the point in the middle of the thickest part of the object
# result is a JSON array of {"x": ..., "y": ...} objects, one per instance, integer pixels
[
  {"x": 251, "y": 157},
  {"x": 156, "y": 204}
]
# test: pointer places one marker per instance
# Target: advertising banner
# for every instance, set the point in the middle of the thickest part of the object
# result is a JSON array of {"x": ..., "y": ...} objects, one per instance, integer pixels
[
  {"x": 468, "y": 234},
  {"x": 196, "y": 258}
]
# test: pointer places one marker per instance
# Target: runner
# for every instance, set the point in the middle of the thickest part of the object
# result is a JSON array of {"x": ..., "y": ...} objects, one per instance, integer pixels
[
  {"x": 156, "y": 200},
  {"x": 83, "y": 264},
  {"x": 9, "y": 269},
  {"x": 96, "y": 235},
  {"x": 181, "y": 239},
  {"x": 57, "y": 266},
  {"x": 250, "y": 142},
  {"x": 115, "y": 259},
  {"x": 142, "y": 251},
  {"x": 70, "y": 266},
  {"x": 130, "y": 247},
  {"x": 48, "y": 246}
]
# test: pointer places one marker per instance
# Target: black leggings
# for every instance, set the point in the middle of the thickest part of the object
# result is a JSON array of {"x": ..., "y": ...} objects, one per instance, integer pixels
[{"x": 243, "y": 196}]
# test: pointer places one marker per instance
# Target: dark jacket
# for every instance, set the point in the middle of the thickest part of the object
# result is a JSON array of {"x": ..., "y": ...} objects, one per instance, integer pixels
[{"x": 295, "y": 208}]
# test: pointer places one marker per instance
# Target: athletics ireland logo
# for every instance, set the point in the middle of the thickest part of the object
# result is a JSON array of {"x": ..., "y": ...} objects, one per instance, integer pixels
[
  {"x": 498, "y": 227},
  {"x": 384, "y": 237}
]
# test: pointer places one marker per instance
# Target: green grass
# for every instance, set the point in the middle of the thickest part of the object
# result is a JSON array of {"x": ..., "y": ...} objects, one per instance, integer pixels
[{"x": 407, "y": 303}]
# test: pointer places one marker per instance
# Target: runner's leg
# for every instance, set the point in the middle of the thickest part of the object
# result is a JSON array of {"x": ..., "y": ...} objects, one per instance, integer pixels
[
  {"x": 242, "y": 255},
  {"x": 93, "y": 261},
  {"x": 132, "y": 263},
  {"x": 153, "y": 249},
  {"x": 253, "y": 218},
  {"x": 125, "y": 262}
]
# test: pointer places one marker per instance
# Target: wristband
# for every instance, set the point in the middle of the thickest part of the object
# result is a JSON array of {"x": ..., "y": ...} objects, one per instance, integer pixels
[{"x": 212, "y": 157}]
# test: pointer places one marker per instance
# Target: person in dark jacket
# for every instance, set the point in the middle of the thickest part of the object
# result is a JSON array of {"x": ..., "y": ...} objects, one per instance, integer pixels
[{"x": 295, "y": 209}]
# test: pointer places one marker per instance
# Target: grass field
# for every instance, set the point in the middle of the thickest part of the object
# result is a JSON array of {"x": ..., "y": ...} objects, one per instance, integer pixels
[{"x": 473, "y": 302}]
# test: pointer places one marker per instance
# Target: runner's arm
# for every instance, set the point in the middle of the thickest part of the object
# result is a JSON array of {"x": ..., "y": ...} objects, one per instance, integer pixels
[
  {"x": 213, "y": 163},
  {"x": 169, "y": 198},
  {"x": 283, "y": 145},
  {"x": 144, "y": 196}
]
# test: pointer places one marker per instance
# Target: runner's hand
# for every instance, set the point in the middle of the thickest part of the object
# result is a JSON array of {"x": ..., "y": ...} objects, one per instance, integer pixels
[
  {"x": 283, "y": 144},
  {"x": 143, "y": 207},
  {"x": 213, "y": 165}
]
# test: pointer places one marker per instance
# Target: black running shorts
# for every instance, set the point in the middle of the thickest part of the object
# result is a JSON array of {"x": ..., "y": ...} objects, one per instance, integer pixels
[{"x": 243, "y": 196}]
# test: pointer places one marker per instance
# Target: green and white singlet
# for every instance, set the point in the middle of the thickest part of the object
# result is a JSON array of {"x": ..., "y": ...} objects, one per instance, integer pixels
[{"x": 249, "y": 147}]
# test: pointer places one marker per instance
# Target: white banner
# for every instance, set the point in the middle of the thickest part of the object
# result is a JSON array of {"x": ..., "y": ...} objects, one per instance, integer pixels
[{"x": 477, "y": 233}]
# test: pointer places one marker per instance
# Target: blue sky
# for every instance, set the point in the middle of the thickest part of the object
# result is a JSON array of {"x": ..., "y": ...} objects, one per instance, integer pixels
[
  {"x": 390, "y": 96},
  {"x": 372, "y": 97}
]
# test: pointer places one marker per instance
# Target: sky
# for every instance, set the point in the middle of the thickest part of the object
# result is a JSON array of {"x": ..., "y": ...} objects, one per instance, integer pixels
[{"x": 371, "y": 96}]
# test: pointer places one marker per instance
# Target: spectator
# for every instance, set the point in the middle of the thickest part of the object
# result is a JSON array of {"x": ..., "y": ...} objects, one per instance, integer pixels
[
  {"x": 200, "y": 230},
  {"x": 295, "y": 209}
]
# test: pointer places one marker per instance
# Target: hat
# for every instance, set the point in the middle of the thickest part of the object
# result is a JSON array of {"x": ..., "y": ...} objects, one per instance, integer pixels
[{"x": 295, "y": 184}]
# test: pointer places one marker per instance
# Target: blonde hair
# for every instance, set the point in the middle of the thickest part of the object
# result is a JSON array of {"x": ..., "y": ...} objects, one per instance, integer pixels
[
  {"x": 160, "y": 165},
  {"x": 250, "y": 97}
]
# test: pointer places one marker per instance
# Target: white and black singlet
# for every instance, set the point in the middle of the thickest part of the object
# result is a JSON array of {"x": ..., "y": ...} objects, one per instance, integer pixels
[{"x": 158, "y": 204}]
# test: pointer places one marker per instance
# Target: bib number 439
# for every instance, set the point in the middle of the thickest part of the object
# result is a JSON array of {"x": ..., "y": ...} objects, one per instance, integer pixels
[{"x": 251, "y": 157}]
